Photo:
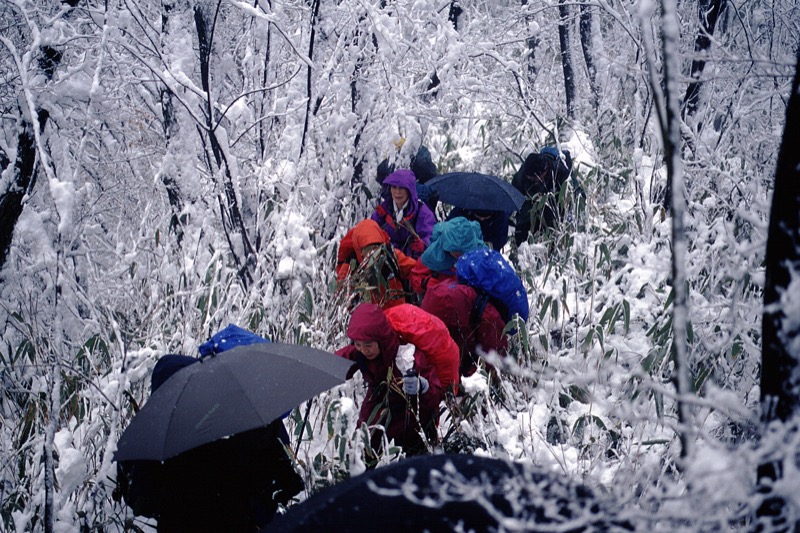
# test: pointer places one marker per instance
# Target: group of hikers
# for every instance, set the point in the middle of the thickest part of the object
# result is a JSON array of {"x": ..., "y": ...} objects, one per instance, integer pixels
[
  {"x": 427, "y": 300},
  {"x": 443, "y": 288}
]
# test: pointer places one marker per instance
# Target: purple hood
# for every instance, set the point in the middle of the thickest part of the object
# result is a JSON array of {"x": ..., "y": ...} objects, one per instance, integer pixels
[{"x": 401, "y": 178}]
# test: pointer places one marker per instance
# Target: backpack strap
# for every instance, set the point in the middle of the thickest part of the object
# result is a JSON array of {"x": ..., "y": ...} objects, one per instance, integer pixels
[
  {"x": 475, "y": 314},
  {"x": 478, "y": 307},
  {"x": 388, "y": 219}
]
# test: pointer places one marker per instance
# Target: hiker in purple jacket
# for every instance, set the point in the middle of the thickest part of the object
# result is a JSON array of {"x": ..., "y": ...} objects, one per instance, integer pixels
[{"x": 407, "y": 220}]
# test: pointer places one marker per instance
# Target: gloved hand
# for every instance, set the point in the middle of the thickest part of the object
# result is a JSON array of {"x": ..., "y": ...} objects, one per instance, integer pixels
[
  {"x": 418, "y": 246},
  {"x": 413, "y": 385}
]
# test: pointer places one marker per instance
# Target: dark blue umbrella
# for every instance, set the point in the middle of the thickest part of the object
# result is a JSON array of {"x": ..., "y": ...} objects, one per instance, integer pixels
[
  {"x": 245, "y": 388},
  {"x": 475, "y": 191},
  {"x": 453, "y": 493}
]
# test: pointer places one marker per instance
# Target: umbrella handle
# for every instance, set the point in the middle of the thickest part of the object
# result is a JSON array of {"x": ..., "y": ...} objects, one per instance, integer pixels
[{"x": 302, "y": 428}]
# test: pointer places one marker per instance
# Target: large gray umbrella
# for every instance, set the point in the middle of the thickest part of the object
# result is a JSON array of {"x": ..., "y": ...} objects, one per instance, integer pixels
[
  {"x": 476, "y": 191},
  {"x": 241, "y": 389}
]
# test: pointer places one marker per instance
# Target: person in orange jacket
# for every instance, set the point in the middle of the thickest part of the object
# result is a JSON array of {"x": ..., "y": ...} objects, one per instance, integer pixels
[{"x": 381, "y": 272}]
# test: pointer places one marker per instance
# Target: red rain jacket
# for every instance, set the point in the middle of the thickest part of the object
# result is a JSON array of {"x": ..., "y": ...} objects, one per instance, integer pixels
[
  {"x": 452, "y": 303},
  {"x": 429, "y": 334},
  {"x": 385, "y": 402},
  {"x": 423, "y": 277}
]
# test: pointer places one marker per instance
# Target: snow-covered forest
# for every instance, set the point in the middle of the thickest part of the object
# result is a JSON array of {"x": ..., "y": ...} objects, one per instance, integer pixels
[{"x": 172, "y": 167}]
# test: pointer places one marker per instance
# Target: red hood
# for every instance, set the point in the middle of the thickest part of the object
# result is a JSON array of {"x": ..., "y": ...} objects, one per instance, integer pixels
[{"x": 369, "y": 323}]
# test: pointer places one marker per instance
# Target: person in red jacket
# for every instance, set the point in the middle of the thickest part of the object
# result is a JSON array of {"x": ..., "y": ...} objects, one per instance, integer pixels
[
  {"x": 382, "y": 272},
  {"x": 474, "y": 323},
  {"x": 403, "y": 393}
]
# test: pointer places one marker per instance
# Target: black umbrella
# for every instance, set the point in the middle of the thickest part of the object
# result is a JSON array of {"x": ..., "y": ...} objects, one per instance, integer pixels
[
  {"x": 453, "y": 493},
  {"x": 481, "y": 192},
  {"x": 242, "y": 389}
]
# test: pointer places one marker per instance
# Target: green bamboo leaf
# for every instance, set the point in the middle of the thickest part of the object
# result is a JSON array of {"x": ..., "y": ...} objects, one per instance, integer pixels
[
  {"x": 606, "y": 318},
  {"x": 309, "y": 301},
  {"x": 545, "y": 306},
  {"x": 626, "y": 313}
]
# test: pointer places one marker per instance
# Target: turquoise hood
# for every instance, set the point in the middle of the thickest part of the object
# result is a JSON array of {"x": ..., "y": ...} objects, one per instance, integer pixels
[{"x": 456, "y": 235}]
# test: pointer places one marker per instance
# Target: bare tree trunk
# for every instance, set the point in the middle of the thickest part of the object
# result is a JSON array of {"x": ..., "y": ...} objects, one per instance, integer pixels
[
  {"x": 314, "y": 14},
  {"x": 780, "y": 372},
  {"x": 531, "y": 42},
  {"x": 566, "y": 58},
  {"x": 671, "y": 133},
  {"x": 232, "y": 220},
  {"x": 455, "y": 12},
  {"x": 355, "y": 98},
  {"x": 709, "y": 11},
  {"x": 588, "y": 51},
  {"x": 170, "y": 125},
  {"x": 25, "y": 160}
]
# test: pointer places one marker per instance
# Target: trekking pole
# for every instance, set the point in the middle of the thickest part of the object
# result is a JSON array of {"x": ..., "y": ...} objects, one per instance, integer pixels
[{"x": 411, "y": 373}]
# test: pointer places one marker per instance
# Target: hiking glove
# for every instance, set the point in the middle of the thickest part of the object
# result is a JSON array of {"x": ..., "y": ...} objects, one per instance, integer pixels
[
  {"x": 413, "y": 385},
  {"x": 418, "y": 246}
]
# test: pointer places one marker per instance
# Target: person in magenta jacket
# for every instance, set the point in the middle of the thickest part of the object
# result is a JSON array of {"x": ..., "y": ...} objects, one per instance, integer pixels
[
  {"x": 402, "y": 404},
  {"x": 401, "y": 214}
]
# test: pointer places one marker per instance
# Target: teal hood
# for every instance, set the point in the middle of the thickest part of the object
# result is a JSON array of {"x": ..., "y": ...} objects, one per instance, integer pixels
[{"x": 457, "y": 235}]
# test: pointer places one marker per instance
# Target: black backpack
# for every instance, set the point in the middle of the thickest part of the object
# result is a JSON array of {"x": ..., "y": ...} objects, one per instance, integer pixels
[{"x": 563, "y": 167}]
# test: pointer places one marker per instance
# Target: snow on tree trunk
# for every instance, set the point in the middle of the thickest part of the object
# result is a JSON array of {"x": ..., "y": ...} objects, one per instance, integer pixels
[
  {"x": 709, "y": 11},
  {"x": 668, "y": 113},
  {"x": 49, "y": 447},
  {"x": 170, "y": 169},
  {"x": 26, "y": 161},
  {"x": 220, "y": 164},
  {"x": 566, "y": 58},
  {"x": 24, "y": 178},
  {"x": 587, "y": 45}
]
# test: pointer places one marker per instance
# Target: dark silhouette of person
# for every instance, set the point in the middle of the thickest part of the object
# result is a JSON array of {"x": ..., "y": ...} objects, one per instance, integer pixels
[
  {"x": 233, "y": 484},
  {"x": 540, "y": 175}
]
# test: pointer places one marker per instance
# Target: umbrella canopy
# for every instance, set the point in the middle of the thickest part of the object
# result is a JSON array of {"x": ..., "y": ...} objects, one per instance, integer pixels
[
  {"x": 453, "y": 493},
  {"x": 245, "y": 388},
  {"x": 475, "y": 191}
]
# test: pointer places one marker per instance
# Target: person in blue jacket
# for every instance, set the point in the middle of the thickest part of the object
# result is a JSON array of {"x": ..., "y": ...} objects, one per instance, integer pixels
[{"x": 233, "y": 484}]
